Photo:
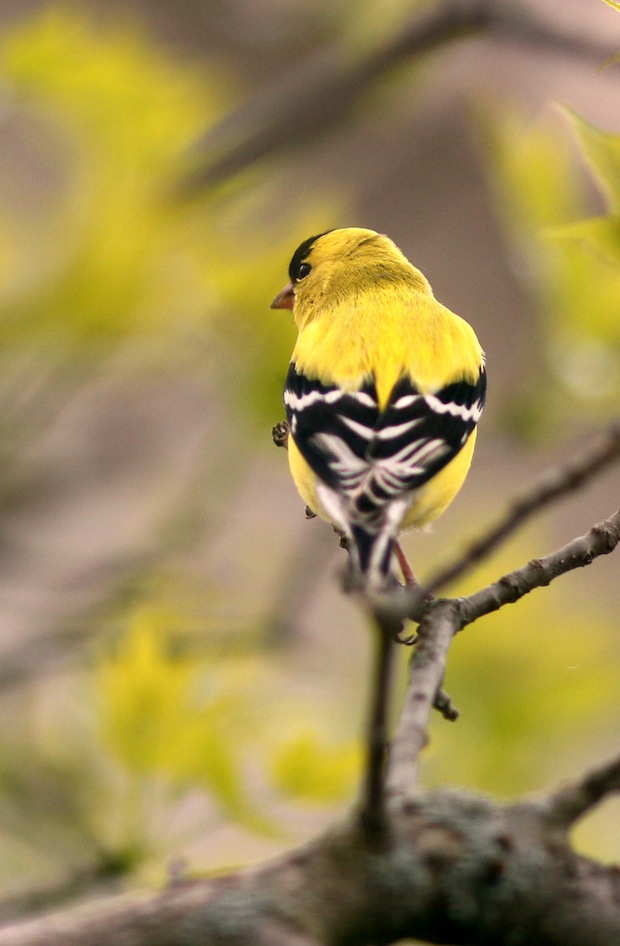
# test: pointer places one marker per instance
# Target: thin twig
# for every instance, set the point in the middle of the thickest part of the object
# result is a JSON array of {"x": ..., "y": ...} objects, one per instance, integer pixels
[
  {"x": 554, "y": 484},
  {"x": 571, "y": 802},
  {"x": 539, "y": 572}
]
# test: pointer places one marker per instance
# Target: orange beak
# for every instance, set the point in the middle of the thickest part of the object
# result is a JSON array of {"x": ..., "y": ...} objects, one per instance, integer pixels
[{"x": 285, "y": 298}]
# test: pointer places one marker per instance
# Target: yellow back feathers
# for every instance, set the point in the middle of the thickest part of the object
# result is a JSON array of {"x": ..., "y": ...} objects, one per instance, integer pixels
[{"x": 383, "y": 393}]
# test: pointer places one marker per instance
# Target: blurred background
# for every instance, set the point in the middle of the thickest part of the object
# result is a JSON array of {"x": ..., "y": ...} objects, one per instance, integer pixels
[{"x": 182, "y": 683}]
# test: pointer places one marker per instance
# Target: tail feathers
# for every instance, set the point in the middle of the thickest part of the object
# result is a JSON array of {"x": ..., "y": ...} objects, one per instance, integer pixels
[
  {"x": 371, "y": 554},
  {"x": 373, "y": 540},
  {"x": 371, "y": 534}
]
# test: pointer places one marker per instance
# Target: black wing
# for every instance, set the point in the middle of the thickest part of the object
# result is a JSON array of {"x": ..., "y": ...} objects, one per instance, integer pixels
[{"x": 372, "y": 456}]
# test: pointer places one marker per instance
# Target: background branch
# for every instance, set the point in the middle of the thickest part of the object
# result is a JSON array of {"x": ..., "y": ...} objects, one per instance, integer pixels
[
  {"x": 554, "y": 484},
  {"x": 320, "y": 94},
  {"x": 573, "y": 801},
  {"x": 323, "y": 93}
]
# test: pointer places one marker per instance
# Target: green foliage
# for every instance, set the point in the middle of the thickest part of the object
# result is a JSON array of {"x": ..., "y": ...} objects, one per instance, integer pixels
[
  {"x": 589, "y": 288},
  {"x": 111, "y": 254},
  {"x": 603, "y": 153},
  {"x": 169, "y": 719},
  {"x": 573, "y": 261},
  {"x": 535, "y": 180},
  {"x": 112, "y": 259},
  {"x": 164, "y": 716}
]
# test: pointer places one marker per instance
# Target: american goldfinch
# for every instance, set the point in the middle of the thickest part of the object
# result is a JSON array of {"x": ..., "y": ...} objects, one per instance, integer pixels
[{"x": 383, "y": 393}]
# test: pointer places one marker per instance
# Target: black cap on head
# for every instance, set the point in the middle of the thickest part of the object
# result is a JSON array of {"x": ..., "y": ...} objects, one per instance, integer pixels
[{"x": 301, "y": 253}]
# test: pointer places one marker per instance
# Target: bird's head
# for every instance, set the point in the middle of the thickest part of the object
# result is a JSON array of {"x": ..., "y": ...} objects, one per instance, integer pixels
[{"x": 328, "y": 268}]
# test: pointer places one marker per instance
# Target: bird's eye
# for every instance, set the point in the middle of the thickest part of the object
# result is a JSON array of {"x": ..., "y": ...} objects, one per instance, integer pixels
[{"x": 302, "y": 271}]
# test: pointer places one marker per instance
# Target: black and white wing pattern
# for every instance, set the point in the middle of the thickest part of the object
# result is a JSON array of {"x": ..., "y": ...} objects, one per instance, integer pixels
[
  {"x": 368, "y": 459},
  {"x": 417, "y": 435},
  {"x": 332, "y": 428}
]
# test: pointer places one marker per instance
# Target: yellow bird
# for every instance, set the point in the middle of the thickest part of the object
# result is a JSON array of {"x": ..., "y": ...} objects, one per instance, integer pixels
[{"x": 383, "y": 394}]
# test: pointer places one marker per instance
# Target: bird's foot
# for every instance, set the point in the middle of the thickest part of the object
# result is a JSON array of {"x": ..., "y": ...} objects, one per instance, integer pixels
[{"x": 280, "y": 432}]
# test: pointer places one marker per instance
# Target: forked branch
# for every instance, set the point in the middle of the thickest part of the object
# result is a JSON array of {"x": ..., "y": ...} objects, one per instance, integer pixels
[{"x": 444, "y": 618}]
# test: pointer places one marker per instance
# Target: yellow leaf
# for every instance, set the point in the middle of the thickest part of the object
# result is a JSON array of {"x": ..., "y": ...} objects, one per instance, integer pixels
[
  {"x": 308, "y": 769},
  {"x": 147, "y": 695},
  {"x": 166, "y": 716}
]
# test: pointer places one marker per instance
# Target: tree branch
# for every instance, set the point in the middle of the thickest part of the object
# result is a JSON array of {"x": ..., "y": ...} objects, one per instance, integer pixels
[
  {"x": 458, "y": 868},
  {"x": 320, "y": 94},
  {"x": 439, "y": 623},
  {"x": 451, "y": 866}
]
